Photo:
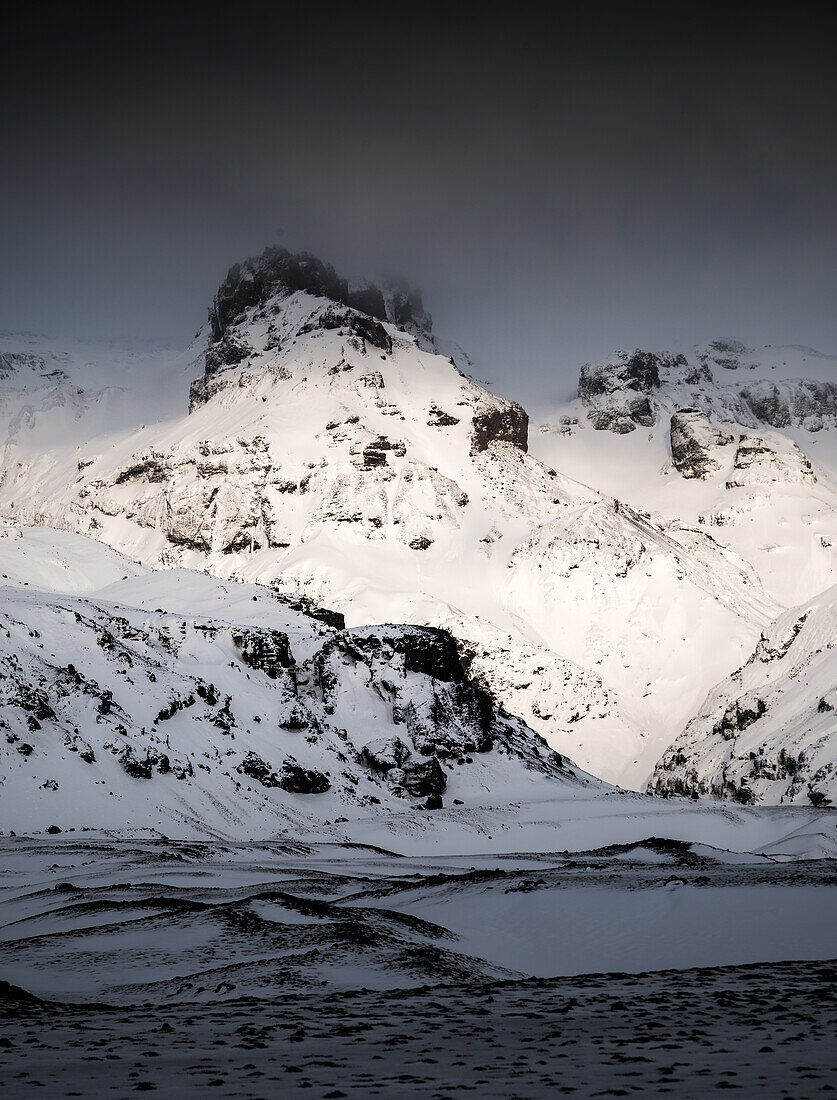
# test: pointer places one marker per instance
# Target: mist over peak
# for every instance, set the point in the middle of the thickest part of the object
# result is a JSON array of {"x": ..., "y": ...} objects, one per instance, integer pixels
[{"x": 557, "y": 190}]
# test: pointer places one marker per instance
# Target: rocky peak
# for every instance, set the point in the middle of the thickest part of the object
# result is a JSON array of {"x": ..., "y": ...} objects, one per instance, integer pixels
[
  {"x": 278, "y": 271},
  {"x": 625, "y": 370},
  {"x": 618, "y": 389}
]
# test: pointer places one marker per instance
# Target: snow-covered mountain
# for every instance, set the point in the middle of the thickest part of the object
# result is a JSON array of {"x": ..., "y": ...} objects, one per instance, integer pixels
[
  {"x": 171, "y": 700},
  {"x": 743, "y": 444},
  {"x": 740, "y": 442},
  {"x": 767, "y": 732},
  {"x": 325, "y": 447}
]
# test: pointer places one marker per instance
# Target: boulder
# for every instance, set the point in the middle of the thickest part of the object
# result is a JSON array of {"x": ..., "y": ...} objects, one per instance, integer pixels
[
  {"x": 420, "y": 778},
  {"x": 385, "y": 753}
]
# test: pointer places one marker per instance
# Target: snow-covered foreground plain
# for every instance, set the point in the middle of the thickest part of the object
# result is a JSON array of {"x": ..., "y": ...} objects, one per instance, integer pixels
[{"x": 344, "y": 970}]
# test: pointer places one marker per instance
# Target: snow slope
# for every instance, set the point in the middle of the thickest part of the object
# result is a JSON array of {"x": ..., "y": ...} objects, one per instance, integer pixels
[
  {"x": 332, "y": 453},
  {"x": 767, "y": 732},
  {"x": 742, "y": 443},
  {"x": 194, "y": 705}
]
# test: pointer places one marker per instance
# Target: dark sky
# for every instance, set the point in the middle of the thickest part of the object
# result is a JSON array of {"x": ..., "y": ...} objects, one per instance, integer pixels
[{"x": 557, "y": 187}]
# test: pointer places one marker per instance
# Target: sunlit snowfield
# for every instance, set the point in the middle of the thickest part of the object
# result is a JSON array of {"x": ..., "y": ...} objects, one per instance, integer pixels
[{"x": 347, "y": 970}]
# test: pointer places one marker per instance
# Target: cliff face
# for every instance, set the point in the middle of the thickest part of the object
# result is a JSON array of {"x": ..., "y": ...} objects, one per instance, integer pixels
[
  {"x": 276, "y": 271},
  {"x": 724, "y": 380}
]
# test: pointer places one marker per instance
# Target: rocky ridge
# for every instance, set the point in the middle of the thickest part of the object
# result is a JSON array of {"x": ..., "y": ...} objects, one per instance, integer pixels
[
  {"x": 767, "y": 732},
  {"x": 110, "y": 711}
]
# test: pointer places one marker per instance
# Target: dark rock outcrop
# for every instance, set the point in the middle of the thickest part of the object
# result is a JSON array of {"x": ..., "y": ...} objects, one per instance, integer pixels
[
  {"x": 739, "y": 716},
  {"x": 632, "y": 370},
  {"x": 276, "y": 270},
  {"x": 693, "y": 439},
  {"x": 384, "y": 754},
  {"x": 291, "y": 777},
  {"x": 297, "y": 780},
  {"x": 500, "y": 422},
  {"x": 356, "y": 324},
  {"x": 433, "y": 653},
  {"x": 789, "y": 404},
  {"x": 420, "y": 778},
  {"x": 306, "y": 606},
  {"x": 375, "y": 453},
  {"x": 438, "y": 418},
  {"x": 225, "y": 352},
  {"x": 269, "y": 651},
  {"x": 253, "y": 766}
]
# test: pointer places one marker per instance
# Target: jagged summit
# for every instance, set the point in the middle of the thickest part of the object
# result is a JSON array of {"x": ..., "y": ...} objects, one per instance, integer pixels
[{"x": 276, "y": 271}]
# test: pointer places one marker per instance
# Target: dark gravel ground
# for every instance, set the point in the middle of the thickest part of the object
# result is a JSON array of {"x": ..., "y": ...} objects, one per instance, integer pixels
[{"x": 765, "y": 1030}]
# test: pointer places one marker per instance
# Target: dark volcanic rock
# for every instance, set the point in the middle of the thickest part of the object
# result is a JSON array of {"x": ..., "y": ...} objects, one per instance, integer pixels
[
  {"x": 459, "y": 722},
  {"x": 358, "y": 324},
  {"x": 375, "y": 453},
  {"x": 384, "y": 754},
  {"x": 792, "y": 403},
  {"x": 500, "y": 422},
  {"x": 420, "y": 778},
  {"x": 432, "y": 652},
  {"x": 307, "y": 607},
  {"x": 641, "y": 411},
  {"x": 634, "y": 370},
  {"x": 136, "y": 767},
  {"x": 152, "y": 468},
  {"x": 291, "y": 778},
  {"x": 404, "y": 307},
  {"x": 275, "y": 270},
  {"x": 368, "y": 299},
  {"x": 440, "y": 419},
  {"x": 225, "y": 352},
  {"x": 258, "y": 769},
  {"x": 739, "y": 716},
  {"x": 371, "y": 331},
  {"x": 269, "y": 651},
  {"x": 297, "y": 780},
  {"x": 611, "y": 420},
  {"x": 619, "y": 389},
  {"x": 693, "y": 439}
]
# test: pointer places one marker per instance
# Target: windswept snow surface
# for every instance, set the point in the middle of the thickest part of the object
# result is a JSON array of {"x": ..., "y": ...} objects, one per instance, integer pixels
[
  {"x": 247, "y": 916},
  {"x": 344, "y": 970}
]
